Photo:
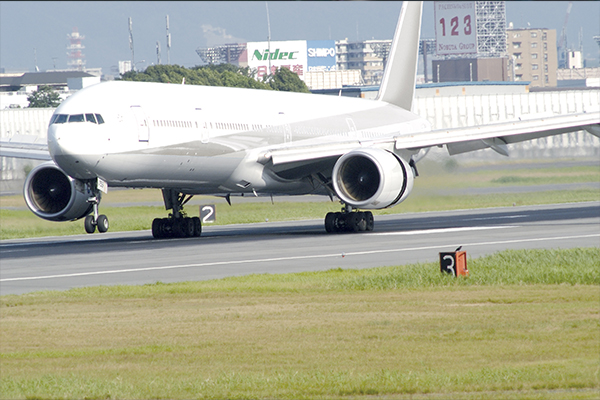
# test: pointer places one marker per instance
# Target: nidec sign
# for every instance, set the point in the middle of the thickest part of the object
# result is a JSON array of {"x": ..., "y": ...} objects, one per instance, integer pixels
[
  {"x": 267, "y": 57},
  {"x": 274, "y": 55}
]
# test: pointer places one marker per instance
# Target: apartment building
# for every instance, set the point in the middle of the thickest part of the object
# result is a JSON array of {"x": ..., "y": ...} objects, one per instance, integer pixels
[{"x": 532, "y": 56}]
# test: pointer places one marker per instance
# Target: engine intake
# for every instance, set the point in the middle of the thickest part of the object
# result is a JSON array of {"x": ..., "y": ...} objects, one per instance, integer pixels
[
  {"x": 372, "y": 178},
  {"x": 53, "y": 195}
]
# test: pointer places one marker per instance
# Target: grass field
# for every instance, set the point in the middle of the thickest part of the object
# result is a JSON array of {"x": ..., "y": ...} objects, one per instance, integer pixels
[{"x": 524, "y": 325}]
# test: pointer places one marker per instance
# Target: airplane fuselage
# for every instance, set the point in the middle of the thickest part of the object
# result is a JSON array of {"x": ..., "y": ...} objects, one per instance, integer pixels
[{"x": 208, "y": 140}]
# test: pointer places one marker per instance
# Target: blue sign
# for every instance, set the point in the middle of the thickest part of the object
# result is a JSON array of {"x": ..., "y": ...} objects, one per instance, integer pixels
[{"x": 321, "y": 55}]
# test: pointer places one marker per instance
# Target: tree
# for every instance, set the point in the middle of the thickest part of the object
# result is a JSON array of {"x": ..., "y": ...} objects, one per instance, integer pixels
[
  {"x": 218, "y": 75},
  {"x": 44, "y": 97},
  {"x": 287, "y": 81}
]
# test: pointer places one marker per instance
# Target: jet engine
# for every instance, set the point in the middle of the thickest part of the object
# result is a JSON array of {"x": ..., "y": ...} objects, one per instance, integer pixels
[
  {"x": 372, "y": 178},
  {"x": 53, "y": 195}
]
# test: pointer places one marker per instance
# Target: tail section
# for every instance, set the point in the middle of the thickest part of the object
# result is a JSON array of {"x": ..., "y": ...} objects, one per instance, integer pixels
[{"x": 399, "y": 78}]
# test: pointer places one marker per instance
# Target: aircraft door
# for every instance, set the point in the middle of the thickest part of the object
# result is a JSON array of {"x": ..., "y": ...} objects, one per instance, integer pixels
[
  {"x": 142, "y": 123},
  {"x": 351, "y": 127},
  {"x": 202, "y": 126}
]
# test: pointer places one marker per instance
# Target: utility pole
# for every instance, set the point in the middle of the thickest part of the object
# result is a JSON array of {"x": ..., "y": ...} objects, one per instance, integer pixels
[
  {"x": 168, "y": 43},
  {"x": 158, "y": 53},
  {"x": 131, "y": 43},
  {"x": 268, "y": 37}
]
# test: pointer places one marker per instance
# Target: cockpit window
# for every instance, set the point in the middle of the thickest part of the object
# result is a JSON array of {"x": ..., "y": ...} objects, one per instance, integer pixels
[
  {"x": 76, "y": 118},
  {"x": 64, "y": 118},
  {"x": 61, "y": 118}
]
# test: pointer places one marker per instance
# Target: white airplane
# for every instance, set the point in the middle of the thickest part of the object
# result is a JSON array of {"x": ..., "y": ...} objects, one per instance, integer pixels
[{"x": 188, "y": 140}]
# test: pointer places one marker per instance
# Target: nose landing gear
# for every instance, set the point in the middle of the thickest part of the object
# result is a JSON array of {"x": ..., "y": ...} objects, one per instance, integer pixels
[{"x": 96, "y": 220}]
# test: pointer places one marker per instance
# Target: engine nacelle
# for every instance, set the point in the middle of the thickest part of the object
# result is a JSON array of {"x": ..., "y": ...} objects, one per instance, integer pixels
[
  {"x": 372, "y": 178},
  {"x": 53, "y": 195}
]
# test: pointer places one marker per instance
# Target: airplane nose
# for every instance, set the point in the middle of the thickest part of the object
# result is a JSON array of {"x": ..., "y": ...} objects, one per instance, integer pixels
[{"x": 71, "y": 151}]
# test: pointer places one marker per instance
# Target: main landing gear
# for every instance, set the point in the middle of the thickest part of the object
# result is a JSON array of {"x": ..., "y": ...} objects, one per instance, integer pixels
[
  {"x": 349, "y": 220},
  {"x": 177, "y": 225}
]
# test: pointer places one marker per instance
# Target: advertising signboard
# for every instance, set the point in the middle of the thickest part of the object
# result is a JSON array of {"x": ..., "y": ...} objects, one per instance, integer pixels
[
  {"x": 321, "y": 55},
  {"x": 290, "y": 54},
  {"x": 455, "y": 27}
]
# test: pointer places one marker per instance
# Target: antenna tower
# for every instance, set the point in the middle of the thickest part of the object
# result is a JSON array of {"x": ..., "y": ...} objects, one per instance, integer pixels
[{"x": 75, "y": 54}]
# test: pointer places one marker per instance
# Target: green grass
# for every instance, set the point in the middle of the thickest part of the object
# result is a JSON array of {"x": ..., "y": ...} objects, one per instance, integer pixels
[{"x": 525, "y": 324}]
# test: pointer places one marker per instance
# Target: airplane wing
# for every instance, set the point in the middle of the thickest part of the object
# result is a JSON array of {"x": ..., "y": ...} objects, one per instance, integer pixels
[
  {"x": 29, "y": 150},
  {"x": 497, "y": 136},
  {"x": 457, "y": 140}
]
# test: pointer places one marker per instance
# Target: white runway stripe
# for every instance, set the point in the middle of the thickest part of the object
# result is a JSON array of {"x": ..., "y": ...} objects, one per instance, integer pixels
[{"x": 303, "y": 257}]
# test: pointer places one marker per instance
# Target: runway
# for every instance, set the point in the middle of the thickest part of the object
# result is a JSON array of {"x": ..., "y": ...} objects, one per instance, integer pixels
[{"x": 132, "y": 258}]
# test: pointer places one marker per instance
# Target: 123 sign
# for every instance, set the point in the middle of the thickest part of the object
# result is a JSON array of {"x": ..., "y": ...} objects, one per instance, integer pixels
[{"x": 455, "y": 27}]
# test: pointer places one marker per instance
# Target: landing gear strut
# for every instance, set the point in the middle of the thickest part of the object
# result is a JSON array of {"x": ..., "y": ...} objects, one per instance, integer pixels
[
  {"x": 177, "y": 225},
  {"x": 349, "y": 220},
  {"x": 92, "y": 221}
]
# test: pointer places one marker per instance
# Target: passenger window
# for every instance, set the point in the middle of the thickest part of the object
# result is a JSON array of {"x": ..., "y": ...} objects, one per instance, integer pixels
[
  {"x": 99, "y": 118},
  {"x": 90, "y": 118},
  {"x": 61, "y": 118},
  {"x": 76, "y": 118}
]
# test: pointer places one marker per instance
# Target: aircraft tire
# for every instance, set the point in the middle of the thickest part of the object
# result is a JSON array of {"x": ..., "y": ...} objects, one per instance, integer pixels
[
  {"x": 197, "y": 226},
  {"x": 369, "y": 221},
  {"x": 353, "y": 221},
  {"x": 330, "y": 222},
  {"x": 188, "y": 227},
  {"x": 89, "y": 225},
  {"x": 157, "y": 231},
  {"x": 102, "y": 223}
]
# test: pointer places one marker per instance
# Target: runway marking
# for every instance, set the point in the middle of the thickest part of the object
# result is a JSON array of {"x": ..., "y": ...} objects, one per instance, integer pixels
[
  {"x": 443, "y": 230},
  {"x": 490, "y": 218},
  {"x": 304, "y": 257}
]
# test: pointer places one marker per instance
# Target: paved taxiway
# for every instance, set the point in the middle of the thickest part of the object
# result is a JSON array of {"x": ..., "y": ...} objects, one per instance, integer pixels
[{"x": 136, "y": 258}]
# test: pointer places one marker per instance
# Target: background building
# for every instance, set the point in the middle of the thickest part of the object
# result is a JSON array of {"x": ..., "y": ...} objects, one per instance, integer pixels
[
  {"x": 533, "y": 56},
  {"x": 314, "y": 61},
  {"x": 368, "y": 56},
  {"x": 470, "y": 41}
]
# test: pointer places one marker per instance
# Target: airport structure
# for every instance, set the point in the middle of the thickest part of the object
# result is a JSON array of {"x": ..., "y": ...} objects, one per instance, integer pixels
[{"x": 15, "y": 88}]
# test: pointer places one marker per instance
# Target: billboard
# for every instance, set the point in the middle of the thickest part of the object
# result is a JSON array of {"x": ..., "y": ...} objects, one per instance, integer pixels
[
  {"x": 321, "y": 55},
  {"x": 289, "y": 54},
  {"x": 455, "y": 27}
]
